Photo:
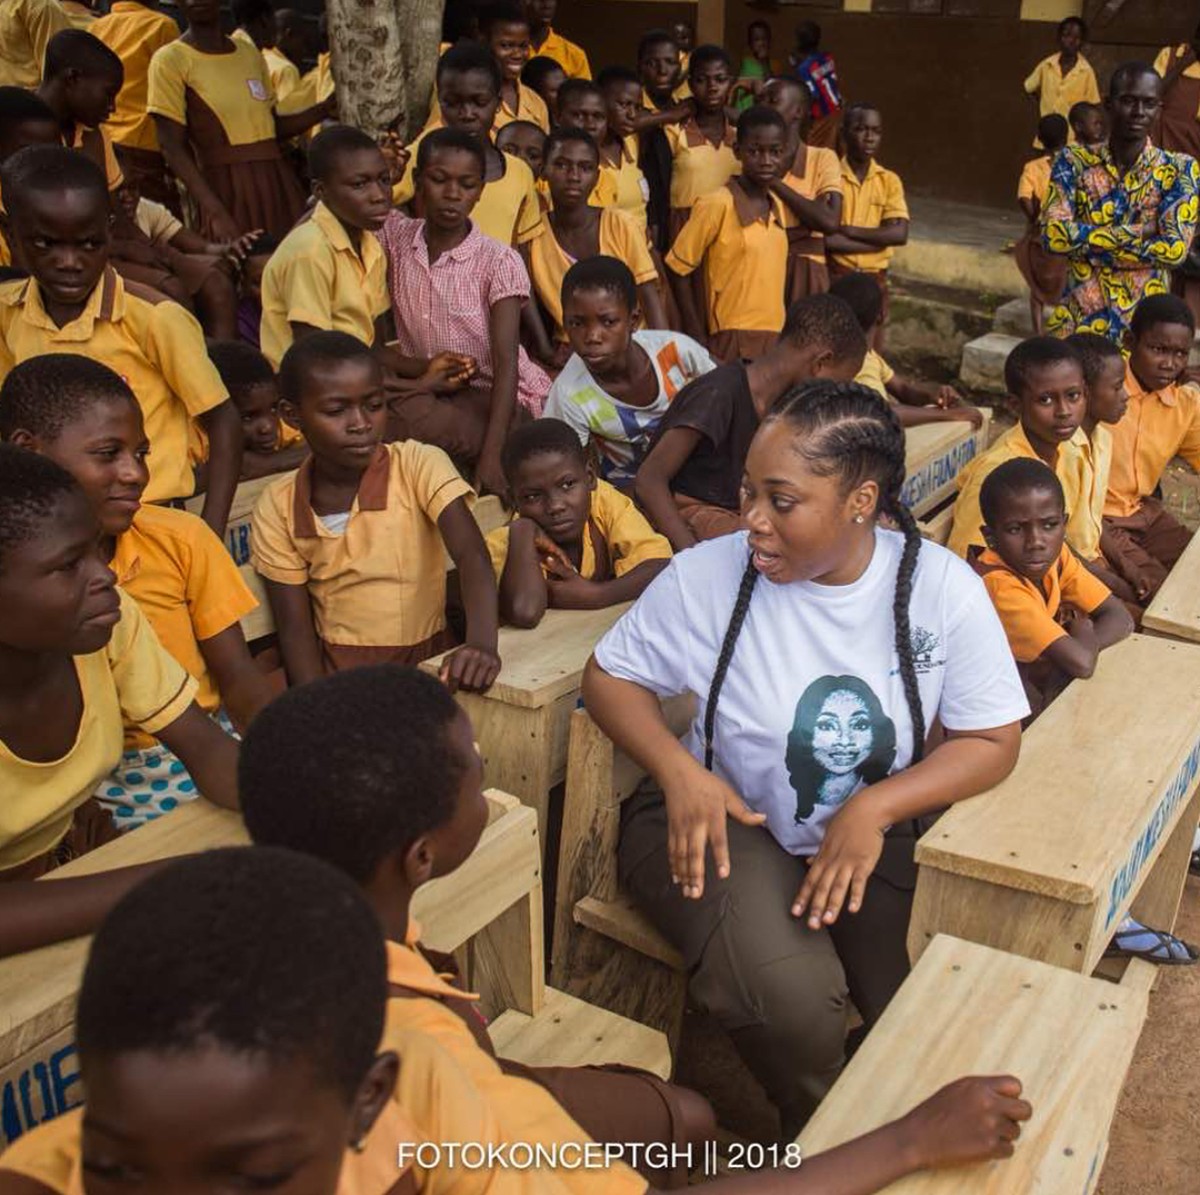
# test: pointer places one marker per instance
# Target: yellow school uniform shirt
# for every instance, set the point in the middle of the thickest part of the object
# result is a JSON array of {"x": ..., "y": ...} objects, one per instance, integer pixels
[
  {"x": 876, "y": 373},
  {"x": 292, "y": 93},
  {"x": 530, "y": 106},
  {"x": 628, "y": 537},
  {"x": 744, "y": 258},
  {"x": 698, "y": 167},
  {"x": 623, "y": 185},
  {"x": 318, "y": 277},
  {"x": 1068, "y": 468},
  {"x": 1167, "y": 55},
  {"x": 439, "y": 1052},
  {"x": 324, "y": 82},
  {"x": 185, "y": 582},
  {"x": 51, "y": 1154},
  {"x": 130, "y": 681},
  {"x": 1027, "y": 610},
  {"x": 1035, "y": 179},
  {"x": 620, "y": 237},
  {"x": 157, "y": 221},
  {"x": 26, "y": 26},
  {"x": 822, "y": 175},
  {"x": 508, "y": 210},
  {"x": 134, "y": 32},
  {"x": 154, "y": 344},
  {"x": 1094, "y": 464},
  {"x": 1059, "y": 93},
  {"x": 1158, "y": 425},
  {"x": 382, "y": 582},
  {"x": 80, "y": 16},
  {"x": 867, "y": 204},
  {"x": 567, "y": 54},
  {"x": 236, "y": 87}
]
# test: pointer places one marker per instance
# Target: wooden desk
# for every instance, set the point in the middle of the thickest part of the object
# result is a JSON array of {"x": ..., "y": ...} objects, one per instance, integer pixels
[
  {"x": 521, "y": 722},
  {"x": 1095, "y": 820},
  {"x": 969, "y": 1010},
  {"x": 1175, "y": 609},
  {"x": 935, "y": 454}
]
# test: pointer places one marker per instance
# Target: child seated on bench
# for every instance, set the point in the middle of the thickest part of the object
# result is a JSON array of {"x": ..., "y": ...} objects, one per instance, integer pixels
[
  {"x": 254, "y": 984},
  {"x": 1142, "y": 540},
  {"x": 407, "y": 808},
  {"x": 576, "y": 543},
  {"x": 914, "y": 402},
  {"x": 1045, "y": 383},
  {"x": 351, "y": 545}
]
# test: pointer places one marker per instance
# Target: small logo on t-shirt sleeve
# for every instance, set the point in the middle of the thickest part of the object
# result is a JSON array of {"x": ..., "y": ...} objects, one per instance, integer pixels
[
  {"x": 925, "y": 654},
  {"x": 257, "y": 90}
]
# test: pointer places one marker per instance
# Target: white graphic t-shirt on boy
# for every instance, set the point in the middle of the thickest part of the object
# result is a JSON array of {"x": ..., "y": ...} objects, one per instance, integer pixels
[{"x": 813, "y": 706}]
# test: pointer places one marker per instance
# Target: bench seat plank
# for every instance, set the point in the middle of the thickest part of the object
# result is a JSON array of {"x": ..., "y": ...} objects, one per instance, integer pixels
[{"x": 1175, "y": 609}]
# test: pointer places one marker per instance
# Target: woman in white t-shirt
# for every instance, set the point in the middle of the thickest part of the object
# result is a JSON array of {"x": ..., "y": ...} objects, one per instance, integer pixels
[{"x": 824, "y": 650}]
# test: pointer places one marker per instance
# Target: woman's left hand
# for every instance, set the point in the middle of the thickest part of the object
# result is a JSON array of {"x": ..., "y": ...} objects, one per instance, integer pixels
[{"x": 848, "y": 855}]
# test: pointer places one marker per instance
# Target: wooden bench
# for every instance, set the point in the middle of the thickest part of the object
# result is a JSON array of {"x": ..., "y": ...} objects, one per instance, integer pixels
[
  {"x": 938, "y": 523},
  {"x": 488, "y": 912},
  {"x": 521, "y": 721},
  {"x": 967, "y": 1009},
  {"x": 1096, "y": 820},
  {"x": 1175, "y": 610},
  {"x": 935, "y": 454}
]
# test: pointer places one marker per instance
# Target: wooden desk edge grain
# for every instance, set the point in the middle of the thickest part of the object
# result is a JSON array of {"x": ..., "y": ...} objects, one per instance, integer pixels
[{"x": 1175, "y": 609}]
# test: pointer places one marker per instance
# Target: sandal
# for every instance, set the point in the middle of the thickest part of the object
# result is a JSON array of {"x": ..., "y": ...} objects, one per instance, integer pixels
[
  {"x": 1134, "y": 940},
  {"x": 1194, "y": 864}
]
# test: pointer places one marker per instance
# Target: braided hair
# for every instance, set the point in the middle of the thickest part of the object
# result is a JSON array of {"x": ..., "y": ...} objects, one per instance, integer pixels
[{"x": 846, "y": 431}]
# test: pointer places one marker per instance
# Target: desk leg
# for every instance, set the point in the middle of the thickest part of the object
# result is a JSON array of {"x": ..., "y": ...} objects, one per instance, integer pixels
[{"x": 508, "y": 958}]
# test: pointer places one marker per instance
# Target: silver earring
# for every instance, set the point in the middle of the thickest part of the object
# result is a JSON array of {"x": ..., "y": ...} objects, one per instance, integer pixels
[
  {"x": 859, "y": 519},
  {"x": 360, "y": 1146}
]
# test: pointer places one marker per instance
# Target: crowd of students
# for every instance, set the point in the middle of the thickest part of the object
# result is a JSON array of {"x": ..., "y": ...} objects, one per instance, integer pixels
[{"x": 648, "y": 311}]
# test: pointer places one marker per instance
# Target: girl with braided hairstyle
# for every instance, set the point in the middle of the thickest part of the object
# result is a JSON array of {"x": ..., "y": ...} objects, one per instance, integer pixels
[{"x": 804, "y": 902}]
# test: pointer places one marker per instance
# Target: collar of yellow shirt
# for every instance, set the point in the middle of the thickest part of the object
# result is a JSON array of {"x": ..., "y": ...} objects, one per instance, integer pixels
[
  {"x": 372, "y": 492},
  {"x": 744, "y": 206},
  {"x": 408, "y": 968},
  {"x": 335, "y": 232},
  {"x": 848, "y": 175},
  {"x": 695, "y": 138},
  {"x": 106, "y": 302}
]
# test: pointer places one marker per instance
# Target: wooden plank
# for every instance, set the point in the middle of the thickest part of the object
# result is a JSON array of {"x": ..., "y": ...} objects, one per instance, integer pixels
[
  {"x": 935, "y": 454},
  {"x": 966, "y": 1010},
  {"x": 624, "y": 922},
  {"x": 1175, "y": 609},
  {"x": 937, "y": 526},
  {"x": 507, "y": 958},
  {"x": 1048, "y": 871},
  {"x": 571, "y": 1032},
  {"x": 38, "y": 1086}
]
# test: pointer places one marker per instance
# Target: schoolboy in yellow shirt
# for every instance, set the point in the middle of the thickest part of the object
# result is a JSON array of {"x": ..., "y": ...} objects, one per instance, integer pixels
[
  {"x": 330, "y": 273},
  {"x": 621, "y": 175},
  {"x": 80, "y": 415},
  {"x": 505, "y": 31},
  {"x": 737, "y": 235},
  {"x": 575, "y": 543},
  {"x": 24, "y": 120},
  {"x": 352, "y": 546},
  {"x": 1065, "y": 79},
  {"x": 59, "y": 222},
  {"x": 546, "y": 41}
]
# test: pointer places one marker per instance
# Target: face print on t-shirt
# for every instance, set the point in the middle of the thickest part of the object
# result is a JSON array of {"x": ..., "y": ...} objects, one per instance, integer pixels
[{"x": 840, "y": 741}]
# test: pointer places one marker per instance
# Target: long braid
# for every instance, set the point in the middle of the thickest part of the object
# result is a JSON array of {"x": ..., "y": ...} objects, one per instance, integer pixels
[
  {"x": 900, "y": 613},
  {"x": 741, "y": 608}
]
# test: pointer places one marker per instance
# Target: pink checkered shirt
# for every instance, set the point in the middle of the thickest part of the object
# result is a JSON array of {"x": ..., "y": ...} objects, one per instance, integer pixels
[{"x": 445, "y": 307}]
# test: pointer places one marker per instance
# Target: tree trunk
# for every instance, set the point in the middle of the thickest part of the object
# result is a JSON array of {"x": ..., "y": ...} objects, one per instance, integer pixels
[{"x": 385, "y": 55}]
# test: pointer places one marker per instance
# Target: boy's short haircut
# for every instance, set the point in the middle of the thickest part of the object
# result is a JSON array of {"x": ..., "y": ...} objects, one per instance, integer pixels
[
  {"x": 863, "y": 294},
  {"x": 537, "y": 437},
  {"x": 18, "y": 106},
  {"x": 31, "y": 487},
  {"x": 760, "y": 116},
  {"x": 1126, "y": 73},
  {"x": 369, "y": 767},
  {"x": 1077, "y": 112},
  {"x": 1053, "y": 130},
  {"x": 86, "y": 53},
  {"x": 519, "y": 126},
  {"x": 611, "y": 76},
  {"x": 578, "y": 87},
  {"x": 49, "y": 168},
  {"x": 786, "y": 81},
  {"x": 652, "y": 38},
  {"x": 330, "y": 143},
  {"x": 1067, "y": 22},
  {"x": 456, "y": 139},
  {"x": 758, "y": 25},
  {"x": 604, "y": 273},
  {"x": 1094, "y": 350},
  {"x": 538, "y": 69},
  {"x": 1038, "y": 352},
  {"x": 44, "y": 394},
  {"x": 260, "y": 952},
  {"x": 1161, "y": 309},
  {"x": 808, "y": 36},
  {"x": 703, "y": 56},
  {"x": 825, "y": 319},
  {"x": 501, "y": 13},
  {"x": 1014, "y": 477},
  {"x": 319, "y": 348},
  {"x": 857, "y": 109},
  {"x": 240, "y": 365},
  {"x": 466, "y": 57},
  {"x": 569, "y": 136}
]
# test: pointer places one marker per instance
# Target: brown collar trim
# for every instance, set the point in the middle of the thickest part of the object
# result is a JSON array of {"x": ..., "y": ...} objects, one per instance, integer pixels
[{"x": 372, "y": 492}]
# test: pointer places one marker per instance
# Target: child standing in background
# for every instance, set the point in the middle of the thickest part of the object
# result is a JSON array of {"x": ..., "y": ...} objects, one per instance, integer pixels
[
  {"x": 817, "y": 71},
  {"x": 1044, "y": 272},
  {"x": 524, "y": 140},
  {"x": 657, "y": 66},
  {"x": 1089, "y": 125},
  {"x": 545, "y": 41},
  {"x": 544, "y": 76},
  {"x": 505, "y": 31},
  {"x": 757, "y": 63},
  {"x": 621, "y": 177},
  {"x": 1064, "y": 79}
]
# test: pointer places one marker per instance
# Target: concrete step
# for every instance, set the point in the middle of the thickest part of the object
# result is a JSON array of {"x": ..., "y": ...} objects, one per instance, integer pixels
[
  {"x": 983, "y": 362},
  {"x": 1013, "y": 318}
]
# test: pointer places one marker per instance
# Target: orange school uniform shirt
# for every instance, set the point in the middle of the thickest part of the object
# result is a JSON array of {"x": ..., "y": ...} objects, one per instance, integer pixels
[
  {"x": 380, "y": 583},
  {"x": 134, "y": 32},
  {"x": 186, "y": 583},
  {"x": 1028, "y": 611},
  {"x": 744, "y": 257},
  {"x": 567, "y": 54},
  {"x": 698, "y": 167},
  {"x": 440, "y": 1053},
  {"x": 530, "y": 106},
  {"x": 879, "y": 196},
  {"x": 154, "y": 344},
  {"x": 1158, "y": 425},
  {"x": 1035, "y": 180},
  {"x": 623, "y": 185},
  {"x": 821, "y": 176}
]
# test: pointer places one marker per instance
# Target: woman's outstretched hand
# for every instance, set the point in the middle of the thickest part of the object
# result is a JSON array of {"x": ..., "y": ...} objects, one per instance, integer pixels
[
  {"x": 848, "y": 855},
  {"x": 697, "y": 805}
]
